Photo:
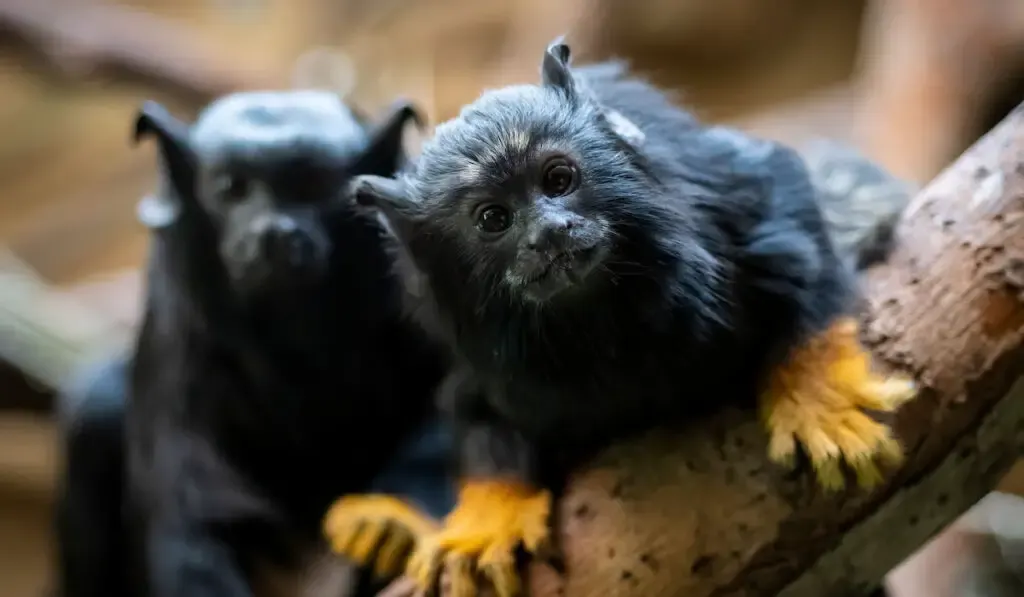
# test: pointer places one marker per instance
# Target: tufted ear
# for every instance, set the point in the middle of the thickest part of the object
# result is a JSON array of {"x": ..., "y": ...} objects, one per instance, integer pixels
[
  {"x": 384, "y": 154},
  {"x": 554, "y": 69},
  {"x": 556, "y": 73},
  {"x": 178, "y": 164}
]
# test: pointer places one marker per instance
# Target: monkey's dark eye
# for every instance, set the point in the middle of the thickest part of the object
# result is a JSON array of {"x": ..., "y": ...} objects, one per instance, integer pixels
[
  {"x": 493, "y": 219},
  {"x": 559, "y": 177},
  {"x": 233, "y": 188}
]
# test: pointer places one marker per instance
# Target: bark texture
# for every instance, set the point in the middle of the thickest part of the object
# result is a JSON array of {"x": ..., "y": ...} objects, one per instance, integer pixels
[{"x": 703, "y": 513}]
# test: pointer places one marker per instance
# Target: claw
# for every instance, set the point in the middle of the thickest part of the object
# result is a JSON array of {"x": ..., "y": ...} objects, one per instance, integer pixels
[
  {"x": 377, "y": 530},
  {"x": 817, "y": 400},
  {"x": 492, "y": 520}
]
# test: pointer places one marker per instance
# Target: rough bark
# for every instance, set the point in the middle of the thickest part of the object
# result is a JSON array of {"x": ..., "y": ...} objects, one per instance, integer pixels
[{"x": 703, "y": 513}]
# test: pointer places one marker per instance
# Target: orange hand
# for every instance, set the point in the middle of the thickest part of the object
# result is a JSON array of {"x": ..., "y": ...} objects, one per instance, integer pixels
[
  {"x": 818, "y": 399},
  {"x": 376, "y": 529},
  {"x": 492, "y": 519}
]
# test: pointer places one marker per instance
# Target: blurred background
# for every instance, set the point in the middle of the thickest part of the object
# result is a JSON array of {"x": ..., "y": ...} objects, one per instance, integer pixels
[{"x": 911, "y": 83}]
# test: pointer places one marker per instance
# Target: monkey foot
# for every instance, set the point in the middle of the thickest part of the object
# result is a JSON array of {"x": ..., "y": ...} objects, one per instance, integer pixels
[
  {"x": 818, "y": 399},
  {"x": 491, "y": 520},
  {"x": 377, "y": 530}
]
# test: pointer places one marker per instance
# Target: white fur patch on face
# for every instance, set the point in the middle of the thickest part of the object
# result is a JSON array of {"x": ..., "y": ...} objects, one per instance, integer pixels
[
  {"x": 472, "y": 173},
  {"x": 511, "y": 143},
  {"x": 515, "y": 142}
]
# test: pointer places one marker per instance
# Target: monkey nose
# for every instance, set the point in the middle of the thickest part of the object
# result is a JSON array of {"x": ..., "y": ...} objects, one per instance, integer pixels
[
  {"x": 284, "y": 243},
  {"x": 553, "y": 236}
]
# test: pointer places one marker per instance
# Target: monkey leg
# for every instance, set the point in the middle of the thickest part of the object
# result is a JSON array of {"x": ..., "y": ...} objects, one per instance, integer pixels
[
  {"x": 376, "y": 530},
  {"x": 491, "y": 520},
  {"x": 818, "y": 399}
]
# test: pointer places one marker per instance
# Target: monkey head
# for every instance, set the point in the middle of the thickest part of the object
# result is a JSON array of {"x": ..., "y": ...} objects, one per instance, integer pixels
[
  {"x": 267, "y": 172},
  {"x": 521, "y": 195}
]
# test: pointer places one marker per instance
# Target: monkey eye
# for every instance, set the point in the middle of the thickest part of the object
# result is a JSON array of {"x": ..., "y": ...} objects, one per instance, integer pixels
[
  {"x": 493, "y": 219},
  {"x": 559, "y": 177},
  {"x": 232, "y": 189}
]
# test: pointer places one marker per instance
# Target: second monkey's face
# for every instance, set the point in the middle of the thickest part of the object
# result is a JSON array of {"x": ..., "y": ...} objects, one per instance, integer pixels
[
  {"x": 270, "y": 176},
  {"x": 271, "y": 231}
]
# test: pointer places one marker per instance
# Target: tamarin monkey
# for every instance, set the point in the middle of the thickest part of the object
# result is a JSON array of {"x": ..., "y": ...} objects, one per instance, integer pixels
[
  {"x": 273, "y": 341},
  {"x": 601, "y": 263}
]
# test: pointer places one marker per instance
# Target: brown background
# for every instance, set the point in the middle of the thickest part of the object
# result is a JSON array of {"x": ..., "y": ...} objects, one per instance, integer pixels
[{"x": 69, "y": 179}]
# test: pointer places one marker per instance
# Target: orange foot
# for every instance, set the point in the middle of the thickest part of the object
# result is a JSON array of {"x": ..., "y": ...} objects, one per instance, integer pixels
[
  {"x": 376, "y": 529},
  {"x": 818, "y": 399},
  {"x": 492, "y": 518}
]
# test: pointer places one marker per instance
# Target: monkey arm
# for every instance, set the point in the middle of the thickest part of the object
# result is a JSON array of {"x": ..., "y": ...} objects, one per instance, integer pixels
[
  {"x": 819, "y": 397},
  {"x": 498, "y": 511},
  {"x": 376, "y": 531}
]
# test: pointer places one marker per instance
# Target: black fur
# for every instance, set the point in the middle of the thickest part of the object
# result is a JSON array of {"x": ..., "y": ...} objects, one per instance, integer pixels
[
  {"x": 257, "y": 398},
  {"x": 90, "y": 533},
  {"x": 712, "y": 261},
  {"x": 88, "y": 528}
]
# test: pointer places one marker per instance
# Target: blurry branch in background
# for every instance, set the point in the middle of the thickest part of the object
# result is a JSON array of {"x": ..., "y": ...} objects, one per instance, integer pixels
[
  {"x": 931, "y": 72},
  {"x": 79, "y": 38},
  {"x": 43, "y": 333}
]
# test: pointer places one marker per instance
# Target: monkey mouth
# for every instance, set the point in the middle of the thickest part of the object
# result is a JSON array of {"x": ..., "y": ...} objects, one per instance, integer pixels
[
  {"x": 299, "y": 263},
  {"x": 562, "y": 271}
]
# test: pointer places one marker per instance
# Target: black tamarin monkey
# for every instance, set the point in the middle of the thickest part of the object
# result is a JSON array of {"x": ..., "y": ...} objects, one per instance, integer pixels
[
  {"x": 273, "y": 336},
  {"x": 601, "y": 263}
]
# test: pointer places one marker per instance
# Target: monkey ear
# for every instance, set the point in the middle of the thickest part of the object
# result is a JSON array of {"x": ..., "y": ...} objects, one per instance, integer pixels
[
  {"x": 556, "y": 73},
  {"x": 154, "y": 120},
  {"x": 388, "y": 196},
  {"x": 554, "y": 69},
  {"x": 384, "y": 154},
  {"x": 380, "y": 192}
]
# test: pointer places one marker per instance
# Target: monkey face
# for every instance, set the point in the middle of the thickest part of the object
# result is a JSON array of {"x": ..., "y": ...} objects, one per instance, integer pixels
[
  {"x": 266, "y": 171},
  {"x": 267, "y": 235},
  {"x": 551, "y": 236},
  {"x": 532, "y": 217},
  {"x": 523, "y": 194},
  {"x": 526, "y": 193}
]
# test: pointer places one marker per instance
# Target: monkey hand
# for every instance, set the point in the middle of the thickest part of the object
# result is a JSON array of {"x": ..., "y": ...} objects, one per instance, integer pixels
[
  {"x": 492, "y": 519},
  {"x": 376, "y": 530},
  {"x": 818, "y": 399}
]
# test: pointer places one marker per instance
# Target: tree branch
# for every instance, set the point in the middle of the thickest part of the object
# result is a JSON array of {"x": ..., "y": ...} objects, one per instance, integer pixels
[
  {"x": 80, "y": 38},
  {"x": 705, "y": 514}
]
